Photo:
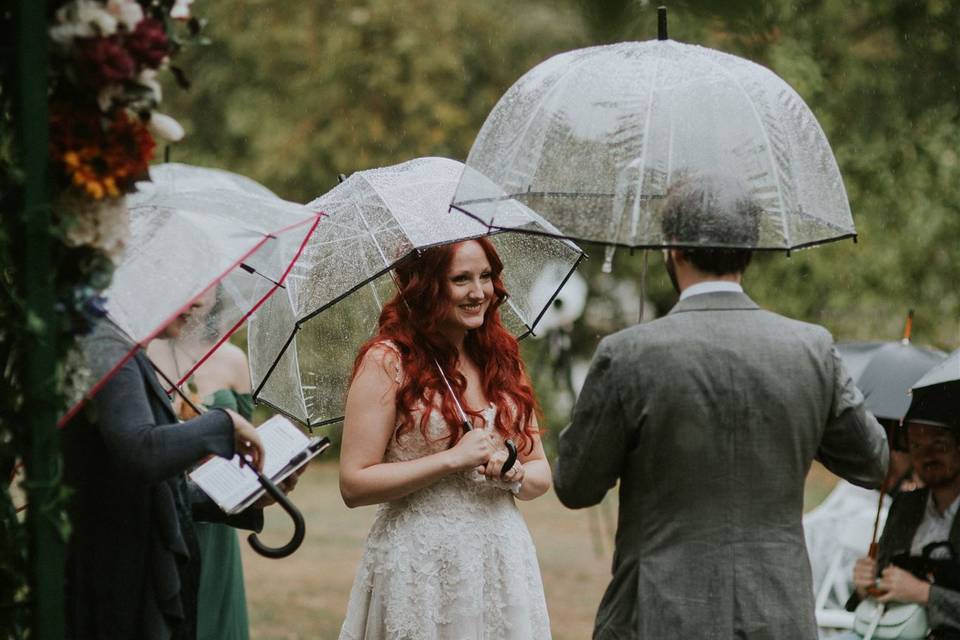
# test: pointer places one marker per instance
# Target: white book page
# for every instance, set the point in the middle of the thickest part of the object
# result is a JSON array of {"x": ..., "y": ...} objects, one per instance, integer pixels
[{"x": 229, "y": 485}]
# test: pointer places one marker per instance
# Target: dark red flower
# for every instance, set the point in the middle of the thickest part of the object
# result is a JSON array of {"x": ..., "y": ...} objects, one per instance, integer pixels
[
  {"x": 148, "y": 43},
  {"x": 103, "y": 61}
]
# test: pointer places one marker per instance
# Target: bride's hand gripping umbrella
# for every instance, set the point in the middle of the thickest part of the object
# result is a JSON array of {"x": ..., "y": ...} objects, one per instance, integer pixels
[{"x": 303, "y": 342}]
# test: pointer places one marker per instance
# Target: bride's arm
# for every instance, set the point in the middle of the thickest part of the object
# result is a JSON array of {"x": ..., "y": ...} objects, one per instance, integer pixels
[
  {"x": 536, "y": 471},
  {"x": 368, "y": 425}
]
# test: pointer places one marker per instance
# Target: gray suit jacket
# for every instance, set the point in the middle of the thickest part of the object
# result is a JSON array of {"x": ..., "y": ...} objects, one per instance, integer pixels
[{"x": 710, "y": 418}]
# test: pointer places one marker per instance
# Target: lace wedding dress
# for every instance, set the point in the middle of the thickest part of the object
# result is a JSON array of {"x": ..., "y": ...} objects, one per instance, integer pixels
[{"x": 453, "y": 561}]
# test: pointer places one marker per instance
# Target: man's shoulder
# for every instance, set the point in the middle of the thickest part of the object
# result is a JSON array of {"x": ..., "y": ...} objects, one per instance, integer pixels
[
  {"x": 656, "y": 330},
  {"x": 677, "y": 326},
  {"x": 799, "y": 328}
]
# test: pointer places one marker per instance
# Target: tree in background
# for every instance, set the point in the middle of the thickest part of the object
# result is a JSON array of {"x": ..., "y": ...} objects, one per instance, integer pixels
[{"x": 293, "y": 94}]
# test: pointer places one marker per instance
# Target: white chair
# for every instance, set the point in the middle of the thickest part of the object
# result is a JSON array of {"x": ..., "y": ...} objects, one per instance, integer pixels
[{"x": 838, "y": 532}]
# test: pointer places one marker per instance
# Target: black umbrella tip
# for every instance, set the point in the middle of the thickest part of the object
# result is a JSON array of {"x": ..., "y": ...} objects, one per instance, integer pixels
[{"x": 661, "y": 23}]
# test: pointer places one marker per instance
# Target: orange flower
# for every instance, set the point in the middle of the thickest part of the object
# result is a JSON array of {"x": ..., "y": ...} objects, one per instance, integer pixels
[{"x": 99, "y": 158}]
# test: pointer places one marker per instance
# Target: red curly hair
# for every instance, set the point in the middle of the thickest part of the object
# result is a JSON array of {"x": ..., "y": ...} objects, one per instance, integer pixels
[{"x": 411, "y": 320}]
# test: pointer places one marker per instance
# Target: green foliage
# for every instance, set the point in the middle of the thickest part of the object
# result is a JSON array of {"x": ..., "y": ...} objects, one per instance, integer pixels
[
  {"x": 13, "y": 538},
  {"x": 293, "y": 94}
]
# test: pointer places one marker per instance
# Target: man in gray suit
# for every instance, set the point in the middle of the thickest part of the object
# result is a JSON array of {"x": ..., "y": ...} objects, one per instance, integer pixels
[{"x": 710, "y": 418}]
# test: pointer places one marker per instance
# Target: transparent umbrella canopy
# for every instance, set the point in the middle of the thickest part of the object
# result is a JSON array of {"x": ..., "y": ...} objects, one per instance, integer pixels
[
  {"x": 593, "y": 138},
  {"x": 179, "y": 177},
  {"x": 303, "y": 341},
  {"x": 229, "y": 246}
]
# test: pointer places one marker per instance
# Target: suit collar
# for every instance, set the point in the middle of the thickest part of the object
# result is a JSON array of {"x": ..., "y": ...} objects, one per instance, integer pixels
[{"x": 716, "y": 301}]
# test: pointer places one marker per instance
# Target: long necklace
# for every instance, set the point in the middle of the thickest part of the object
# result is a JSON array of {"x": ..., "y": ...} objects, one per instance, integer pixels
[{"x": 173, "y": 355}]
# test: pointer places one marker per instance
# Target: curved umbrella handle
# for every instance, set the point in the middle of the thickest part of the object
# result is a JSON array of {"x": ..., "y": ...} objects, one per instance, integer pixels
[
  {"x": 511, "y": 450},
  {"x": 299, "y": 528},
  {"x": 511, "y": 458}
]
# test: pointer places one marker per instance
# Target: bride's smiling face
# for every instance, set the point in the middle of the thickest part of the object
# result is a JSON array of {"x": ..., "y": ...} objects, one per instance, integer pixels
[{"x": 469, "y": 283}]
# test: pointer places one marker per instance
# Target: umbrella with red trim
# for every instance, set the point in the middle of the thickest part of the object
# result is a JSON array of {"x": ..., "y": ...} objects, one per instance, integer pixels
[{"x": 193, "y": 233}]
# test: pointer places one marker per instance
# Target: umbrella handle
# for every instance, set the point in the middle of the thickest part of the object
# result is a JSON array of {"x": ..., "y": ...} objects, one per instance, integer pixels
[
  {"x": 511, "y": 458},
  {"x": 299, "y": 528},
  {"x": 511, "y": 450}
]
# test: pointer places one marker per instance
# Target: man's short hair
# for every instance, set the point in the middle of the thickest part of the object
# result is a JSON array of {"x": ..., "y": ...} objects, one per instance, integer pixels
[{"x": 713, "y": 220}]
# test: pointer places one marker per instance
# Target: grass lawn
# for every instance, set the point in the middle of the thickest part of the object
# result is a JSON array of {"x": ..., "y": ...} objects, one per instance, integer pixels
[{"x": 305, "y": 595}]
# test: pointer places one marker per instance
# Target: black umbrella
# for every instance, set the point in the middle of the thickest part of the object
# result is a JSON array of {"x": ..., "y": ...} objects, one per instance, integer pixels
[
  {"x": 936, "y": 396},
  {"x": 885, "y": 371}
]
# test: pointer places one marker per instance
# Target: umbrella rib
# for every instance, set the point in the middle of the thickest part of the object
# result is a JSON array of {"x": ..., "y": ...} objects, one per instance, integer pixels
[
  {"x": 386, "y": 205},
  {"x": 370, "y": 233},
  {"x": 766, "y": 139},
  {"x": 543, "y": 309},
  {"x": 643, "y": 158},
  {"x": 520, "y": 196}
]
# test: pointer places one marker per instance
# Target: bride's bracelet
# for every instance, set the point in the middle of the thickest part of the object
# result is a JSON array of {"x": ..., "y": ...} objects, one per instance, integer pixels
[{"x": 516, "y": 486}]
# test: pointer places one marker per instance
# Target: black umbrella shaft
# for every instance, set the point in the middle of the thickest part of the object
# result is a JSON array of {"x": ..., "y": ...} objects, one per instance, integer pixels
[{"x": 661, "y": 23}]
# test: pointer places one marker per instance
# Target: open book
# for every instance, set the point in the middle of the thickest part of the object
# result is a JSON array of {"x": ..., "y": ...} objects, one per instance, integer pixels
[{"x": 234, "y": 488}]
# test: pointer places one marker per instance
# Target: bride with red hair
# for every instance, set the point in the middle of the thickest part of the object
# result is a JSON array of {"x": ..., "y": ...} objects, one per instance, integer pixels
[{"x": 449, "y": 556}]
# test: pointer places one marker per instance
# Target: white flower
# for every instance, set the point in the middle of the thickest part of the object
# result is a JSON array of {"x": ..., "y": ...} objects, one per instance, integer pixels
[
  {"x": 107, "y": 95},
  {"x": 165, "y": 127},
  {"x": 114, "y": 229},
  {"x": 148, "y": 78},
  {"x": 127, "y": 12},
  {"x": 101, "y": 224},
  {"x": 82, "y": 19},
  {"x": 181, "y": 10}
]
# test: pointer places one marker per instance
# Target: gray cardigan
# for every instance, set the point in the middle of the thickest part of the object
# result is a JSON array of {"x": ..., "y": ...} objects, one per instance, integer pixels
[
  {"x": 709, "y": 419},
  {"x": 132, "y": 557}
]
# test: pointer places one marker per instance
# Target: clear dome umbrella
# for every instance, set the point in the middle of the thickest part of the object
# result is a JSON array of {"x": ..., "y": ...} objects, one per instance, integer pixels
[
  {"x": 229, "y": 244},
  {"x": 592, "y": 139},
  {"x": 303, "y": 341}
]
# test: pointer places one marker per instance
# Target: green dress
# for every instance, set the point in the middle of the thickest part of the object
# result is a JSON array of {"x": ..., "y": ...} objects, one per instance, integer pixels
[{"x": 222, "y": 602}]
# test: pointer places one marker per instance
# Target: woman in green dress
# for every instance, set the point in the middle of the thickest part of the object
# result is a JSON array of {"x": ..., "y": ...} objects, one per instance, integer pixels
[{"x": 223, "y": 381}]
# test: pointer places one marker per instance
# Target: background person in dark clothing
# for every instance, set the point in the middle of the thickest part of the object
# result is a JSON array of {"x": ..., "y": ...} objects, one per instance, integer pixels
[{"x": 917, "y": 519}]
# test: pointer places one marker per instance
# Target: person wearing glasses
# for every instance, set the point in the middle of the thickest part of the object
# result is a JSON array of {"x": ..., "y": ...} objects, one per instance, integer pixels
[{"x": 919, "y": 520}]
